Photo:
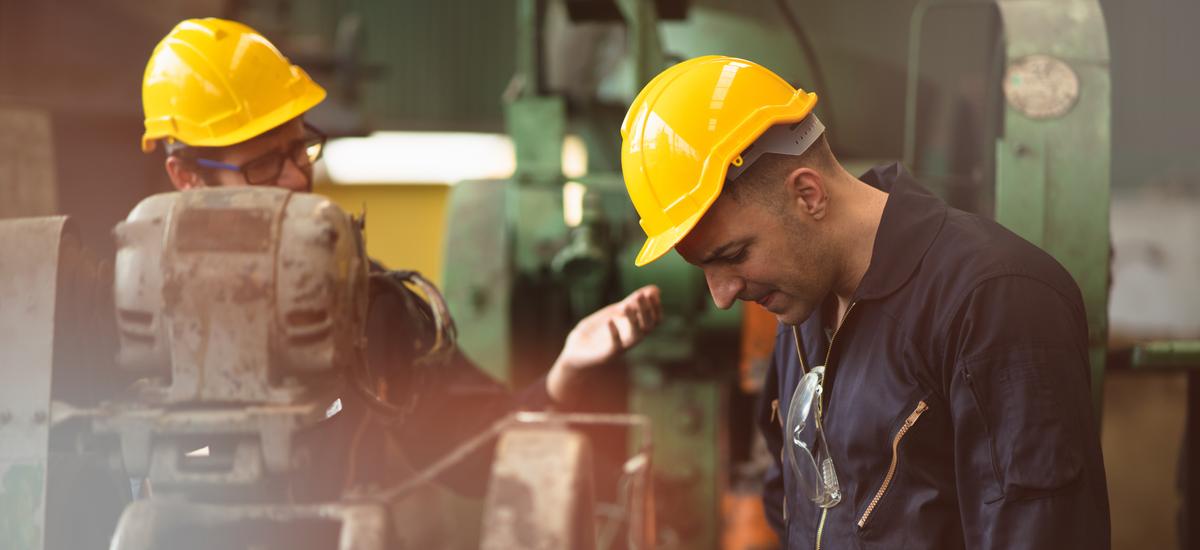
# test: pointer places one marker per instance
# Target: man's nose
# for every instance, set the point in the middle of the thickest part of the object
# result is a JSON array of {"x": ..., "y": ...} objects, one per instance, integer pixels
[{"x": 724, "y": 287}]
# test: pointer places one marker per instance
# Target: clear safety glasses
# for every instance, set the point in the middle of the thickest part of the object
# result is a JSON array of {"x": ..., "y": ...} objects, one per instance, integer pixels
[{"x": 807, "y": 451}]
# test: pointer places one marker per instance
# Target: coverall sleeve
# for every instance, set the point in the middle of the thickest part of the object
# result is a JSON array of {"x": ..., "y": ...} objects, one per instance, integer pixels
[
  {"x": 767, "y": 418},
  {"x": 1027, "y": 453}
]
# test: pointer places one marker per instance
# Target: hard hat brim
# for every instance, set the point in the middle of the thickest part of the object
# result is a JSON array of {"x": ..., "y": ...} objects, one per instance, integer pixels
[
  {"x": 715, "y": 171},
  {"x": 658, "y": 245}
]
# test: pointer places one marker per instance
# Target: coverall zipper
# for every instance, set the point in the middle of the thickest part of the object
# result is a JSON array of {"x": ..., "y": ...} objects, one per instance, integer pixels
[
  {"x": 775, "y": 415},
  {"x": 828, "y": 354},
  {"x": 887, "y": 480},
  {"x": 821, "y": 527}
]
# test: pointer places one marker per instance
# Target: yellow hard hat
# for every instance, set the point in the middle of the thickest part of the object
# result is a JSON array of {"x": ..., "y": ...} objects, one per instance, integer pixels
[
  {"x": 684, "y": 130},
  {"x": 212, "y": 83}
]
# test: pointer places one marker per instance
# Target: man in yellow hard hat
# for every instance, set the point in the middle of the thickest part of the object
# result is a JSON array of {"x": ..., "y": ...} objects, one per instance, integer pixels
[
  {"x": 229, "y": 109},
  {"x": 929, "y": 386}
]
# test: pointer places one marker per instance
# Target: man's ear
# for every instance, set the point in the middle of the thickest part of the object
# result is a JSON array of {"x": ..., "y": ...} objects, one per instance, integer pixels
[
  {"x": 808, "y": 190},
  {"x": 182, "y": 176}
]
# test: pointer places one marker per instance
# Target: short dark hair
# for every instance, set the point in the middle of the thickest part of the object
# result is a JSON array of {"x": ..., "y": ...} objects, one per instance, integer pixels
[{"x": 760, "y": 179}]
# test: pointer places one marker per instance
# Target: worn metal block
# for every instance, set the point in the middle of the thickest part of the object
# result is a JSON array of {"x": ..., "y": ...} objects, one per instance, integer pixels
[
  {"x": 29, "y": 293},
  {"x": 540, "y": 496}
]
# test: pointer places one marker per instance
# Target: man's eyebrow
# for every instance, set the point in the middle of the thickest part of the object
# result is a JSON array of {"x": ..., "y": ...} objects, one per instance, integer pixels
[{"x": 720, "y": 250}]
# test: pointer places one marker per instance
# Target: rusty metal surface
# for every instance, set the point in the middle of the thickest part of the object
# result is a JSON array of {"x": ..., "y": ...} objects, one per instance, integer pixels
[
  {"x": 137, "y": 288},
  {"x": 150, "y": 439},
  {"x": 217, "y": 300},
  {"x": 156, "y": 524},
  {"x": 29, "y": 273},
  {"x": 237, "y": 294},
  {"x": 322, "y": 287},
  {"x": 241, "y": 311},
  {"x": 540, "y": 496}
]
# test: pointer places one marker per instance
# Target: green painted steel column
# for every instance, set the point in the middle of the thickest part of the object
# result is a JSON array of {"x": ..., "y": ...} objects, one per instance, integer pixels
[
  {"x": 514, "y": 270},
  {"x": 503, "y": 234},
  {"x": 1053, "y": 161},
  {"x": 641, "y": 20}
]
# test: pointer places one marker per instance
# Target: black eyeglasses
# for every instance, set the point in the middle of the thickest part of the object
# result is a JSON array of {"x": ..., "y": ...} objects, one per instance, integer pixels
[{"x": 265, "y": 170}]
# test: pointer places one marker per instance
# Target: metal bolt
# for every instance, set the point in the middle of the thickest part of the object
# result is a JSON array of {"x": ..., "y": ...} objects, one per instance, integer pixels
[
  {"x": 5, "y": 417},
  {"x": 39, "y": 417}
]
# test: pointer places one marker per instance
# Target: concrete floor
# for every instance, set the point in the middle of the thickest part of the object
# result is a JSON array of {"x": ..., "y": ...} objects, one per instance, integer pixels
[{"x": 1141, "y": 433}]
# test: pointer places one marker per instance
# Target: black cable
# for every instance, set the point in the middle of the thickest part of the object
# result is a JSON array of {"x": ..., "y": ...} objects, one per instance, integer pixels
[
  {"x": 445, "y": 332},
  {"x": 441, "y": 351}
]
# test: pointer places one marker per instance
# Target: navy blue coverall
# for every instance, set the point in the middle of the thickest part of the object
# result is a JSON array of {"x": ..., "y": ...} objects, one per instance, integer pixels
[{"x": 978, "y": 340}]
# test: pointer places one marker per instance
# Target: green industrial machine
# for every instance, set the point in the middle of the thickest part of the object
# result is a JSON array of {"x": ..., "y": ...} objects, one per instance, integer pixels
[
  {"x": 1020, "y": 131},
  {"x": 1046, "y": 114},
  {"x": 518, "y": 275},
  {"x": 1052, "y": 161}
]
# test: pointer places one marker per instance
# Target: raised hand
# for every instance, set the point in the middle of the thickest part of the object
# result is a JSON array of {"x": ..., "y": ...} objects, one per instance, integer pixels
[{"x": 601, "y": 337}]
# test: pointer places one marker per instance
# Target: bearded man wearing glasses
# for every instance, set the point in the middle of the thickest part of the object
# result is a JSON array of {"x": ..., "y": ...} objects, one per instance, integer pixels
[{"x": 229, "y": 108}]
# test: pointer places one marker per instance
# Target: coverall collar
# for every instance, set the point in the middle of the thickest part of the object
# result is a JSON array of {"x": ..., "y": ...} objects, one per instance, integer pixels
[{"x": 911, "y": 219}]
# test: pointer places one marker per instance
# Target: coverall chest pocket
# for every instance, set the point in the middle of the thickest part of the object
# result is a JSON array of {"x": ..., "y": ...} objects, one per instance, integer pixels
[{"x": 885, "y": 502}]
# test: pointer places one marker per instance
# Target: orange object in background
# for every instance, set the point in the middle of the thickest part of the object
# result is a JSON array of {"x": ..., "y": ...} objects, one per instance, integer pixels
[
  {"x": 758, "y": 341},
  {"x": 746, "y": 525}
]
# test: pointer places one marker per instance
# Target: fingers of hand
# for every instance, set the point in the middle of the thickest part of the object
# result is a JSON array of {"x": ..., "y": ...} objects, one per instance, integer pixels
[
  {"x": 634, "y": 314},
  {"x": 616, "y": 334},
  {"x": 629, "y": 320},
  {"x": 649, "y": 303},
  {"x": 656, "y": 301},
  {"x": 648, "y": 314}
]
